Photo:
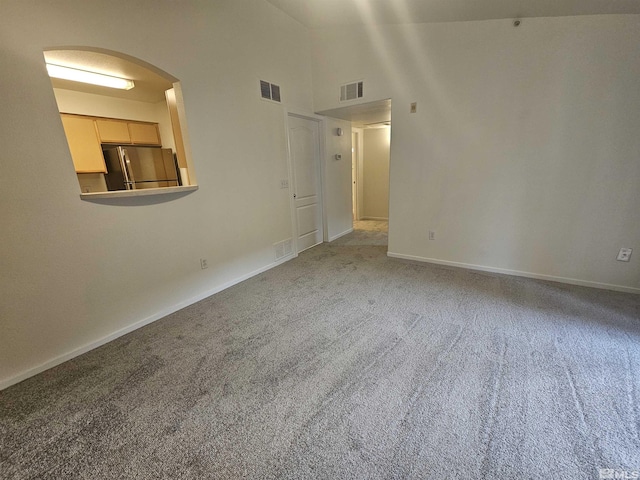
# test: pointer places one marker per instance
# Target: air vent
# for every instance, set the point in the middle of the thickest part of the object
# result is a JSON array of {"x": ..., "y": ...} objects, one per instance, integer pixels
[
  {"x": 275, "y": 93},
  {"x": 351, "y": 91},
  {"x": 270, "y": 91},
  {"x": 283, "y": 249}
]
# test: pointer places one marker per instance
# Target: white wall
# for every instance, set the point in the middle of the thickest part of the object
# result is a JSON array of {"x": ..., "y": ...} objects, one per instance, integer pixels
[
  {"x": 337, "y": 178},
  {"x": 523, "y": 155},
  {"x": 73, "y": 272},
  {"x": 375, "y": 164}
]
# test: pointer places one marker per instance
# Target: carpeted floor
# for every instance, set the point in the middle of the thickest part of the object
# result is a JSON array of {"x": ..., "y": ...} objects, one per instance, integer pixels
[
  {"x": 366, "y": 232},
  {"x": 344, "y": 364}
]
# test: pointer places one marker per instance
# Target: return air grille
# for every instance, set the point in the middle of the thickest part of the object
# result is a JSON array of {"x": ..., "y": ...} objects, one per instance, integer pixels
[
  {"x": 283, "y": 248},
  {"x": 351, "y": 91},
  {"x": 270, "y": 91}
]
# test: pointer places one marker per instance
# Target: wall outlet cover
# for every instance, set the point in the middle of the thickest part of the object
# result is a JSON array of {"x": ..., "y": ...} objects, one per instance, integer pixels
[{"x": 624, "y": 255}]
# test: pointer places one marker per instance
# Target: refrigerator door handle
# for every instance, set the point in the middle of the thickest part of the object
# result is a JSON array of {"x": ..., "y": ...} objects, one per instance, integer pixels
[{"x": 129, "y": 181}]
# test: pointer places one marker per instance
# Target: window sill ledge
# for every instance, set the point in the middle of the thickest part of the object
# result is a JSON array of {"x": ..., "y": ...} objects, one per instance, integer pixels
[{"x": 139, "y": 193}]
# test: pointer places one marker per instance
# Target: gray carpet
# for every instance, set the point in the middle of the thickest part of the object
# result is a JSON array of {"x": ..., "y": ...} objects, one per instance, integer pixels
[
  {"x": 366, "y": 232},
  {"x": 344, "y": 364}
]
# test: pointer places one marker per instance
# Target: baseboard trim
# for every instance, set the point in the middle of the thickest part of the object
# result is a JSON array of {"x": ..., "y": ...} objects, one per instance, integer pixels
[
  {"x": 346, "y": 232},
  {"x": 382, "y": 219},
  {"x": 139, "y": 324},
  {"x": 517, "y": 273}
]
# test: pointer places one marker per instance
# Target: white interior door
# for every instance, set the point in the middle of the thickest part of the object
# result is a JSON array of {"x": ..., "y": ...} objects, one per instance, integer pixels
[{"x": 304, "y": 149}]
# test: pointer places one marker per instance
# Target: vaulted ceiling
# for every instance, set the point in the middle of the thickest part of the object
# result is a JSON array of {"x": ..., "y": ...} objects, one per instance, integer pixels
[{"x": 318, "y": 14}]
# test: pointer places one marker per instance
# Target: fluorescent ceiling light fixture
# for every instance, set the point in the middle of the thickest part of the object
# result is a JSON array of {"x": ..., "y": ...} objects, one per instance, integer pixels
[
  {"x": 68, "y": 73},
  {"x": 385, "y": 124}
]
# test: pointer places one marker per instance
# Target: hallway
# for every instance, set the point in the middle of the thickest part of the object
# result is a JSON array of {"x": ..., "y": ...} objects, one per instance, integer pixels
[{"x": 366, "y": 232}]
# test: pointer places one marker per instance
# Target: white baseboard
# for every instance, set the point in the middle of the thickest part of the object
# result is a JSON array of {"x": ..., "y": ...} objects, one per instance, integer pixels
[
  {"x": 517, "y": 273},
  {"x": 382, "y": 219},
  {"x": 346, "y": 232},
  {"x": 139, "y": 324}
]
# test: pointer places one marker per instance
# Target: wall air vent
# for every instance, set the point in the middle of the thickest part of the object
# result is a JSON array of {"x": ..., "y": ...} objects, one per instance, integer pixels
[
  {"x": 283, "y": 249},
  {"x": 270, "y": 91},
  {"x": 351, "y": 91}
]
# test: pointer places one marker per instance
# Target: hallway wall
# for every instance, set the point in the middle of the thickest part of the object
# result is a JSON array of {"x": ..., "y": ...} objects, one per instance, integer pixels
[{"x": 376, "y": 173}]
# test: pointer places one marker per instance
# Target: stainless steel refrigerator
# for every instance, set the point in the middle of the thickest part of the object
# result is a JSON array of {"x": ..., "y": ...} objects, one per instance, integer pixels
[{"x": 134, "y": 168}]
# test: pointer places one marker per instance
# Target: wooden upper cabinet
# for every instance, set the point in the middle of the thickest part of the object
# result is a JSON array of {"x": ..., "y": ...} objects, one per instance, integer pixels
[
  {"x": 113, "y": 131},
  {"x": 144, "y": 133},
  {"x": 84, "y": 144},
  {"x": 126, "y": 132},
  {"x": 85, "y": 134}
]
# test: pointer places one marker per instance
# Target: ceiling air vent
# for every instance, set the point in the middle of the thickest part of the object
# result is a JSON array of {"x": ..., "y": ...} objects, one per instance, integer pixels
[
  {"x": 351, "y": 91},
  {"x": 270, "y": 91}
]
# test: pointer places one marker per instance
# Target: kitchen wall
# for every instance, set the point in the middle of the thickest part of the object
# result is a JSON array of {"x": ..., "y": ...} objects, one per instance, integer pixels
[
  {"x": 523, "y": 153},
  {"x": 75, "y": 273},
  {"x": 375, "y": 163}
]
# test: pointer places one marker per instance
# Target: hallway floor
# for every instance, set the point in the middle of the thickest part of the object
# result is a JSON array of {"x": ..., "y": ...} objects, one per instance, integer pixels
[{"x": 366, "y": 232}]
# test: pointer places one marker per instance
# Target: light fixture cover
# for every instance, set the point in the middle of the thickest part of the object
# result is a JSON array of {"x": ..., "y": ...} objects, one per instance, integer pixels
[{"x": 77, "y": 75}]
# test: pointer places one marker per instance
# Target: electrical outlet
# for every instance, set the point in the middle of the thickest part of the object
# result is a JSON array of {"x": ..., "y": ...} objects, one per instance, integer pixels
[
  {"x": 624, "y": 255},
  {"x": 432, "y": 235},
  {"x": 413, "y": 108},
  {"x": 203, "y": 263}
]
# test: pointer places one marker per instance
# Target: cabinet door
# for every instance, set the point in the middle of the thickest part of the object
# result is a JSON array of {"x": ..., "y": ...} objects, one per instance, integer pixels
[
  {"x": 144, "y": 133},
  {"x": 84, "y": 144},
  {"x": 113, "y": 131}
]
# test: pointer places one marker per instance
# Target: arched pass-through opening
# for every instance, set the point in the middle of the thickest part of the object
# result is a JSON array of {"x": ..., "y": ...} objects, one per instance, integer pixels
[{"x": 124, "y": 121}]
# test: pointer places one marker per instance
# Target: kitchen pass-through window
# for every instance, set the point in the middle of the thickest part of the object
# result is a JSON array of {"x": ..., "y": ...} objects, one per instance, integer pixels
[{"x": 123, "y": 119}]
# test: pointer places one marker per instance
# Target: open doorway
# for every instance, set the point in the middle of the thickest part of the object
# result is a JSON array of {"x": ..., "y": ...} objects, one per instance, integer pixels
[{"x": 370, "y": 146}]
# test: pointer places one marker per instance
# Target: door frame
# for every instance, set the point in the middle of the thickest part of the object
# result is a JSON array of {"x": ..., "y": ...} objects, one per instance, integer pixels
[
  {"x": 321, "y": 172},
  {"x": 359, "y": 147}
]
